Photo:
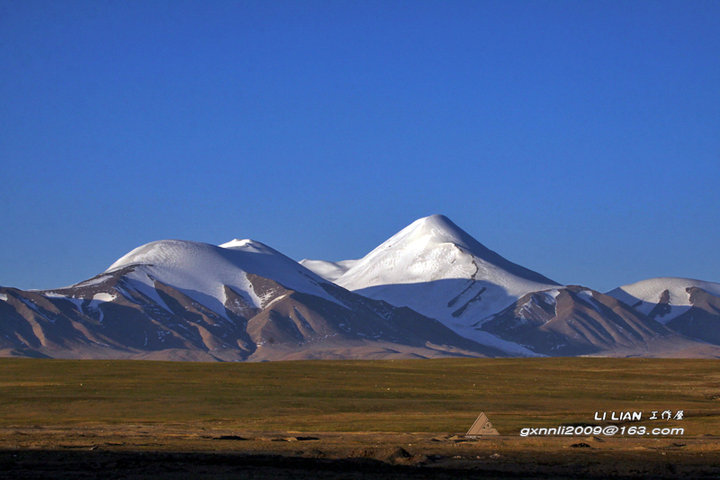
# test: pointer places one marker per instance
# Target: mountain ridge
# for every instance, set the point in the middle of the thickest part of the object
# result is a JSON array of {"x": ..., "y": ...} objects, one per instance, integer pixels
[
  {"x": 239, "y": 301},
  {"x": 430, "y": 290}
]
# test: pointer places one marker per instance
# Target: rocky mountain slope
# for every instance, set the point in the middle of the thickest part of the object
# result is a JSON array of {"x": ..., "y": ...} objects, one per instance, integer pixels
[{"x": 575, "y": 320}]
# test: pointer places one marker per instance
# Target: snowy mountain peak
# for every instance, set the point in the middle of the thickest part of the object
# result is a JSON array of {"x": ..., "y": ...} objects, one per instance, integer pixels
[
  {"x": 439, "y": 270},
  {"x": 436, "y": 222},
  {"x": 430, "y": 230},
  {"x": 203, "y": 271},
  {"x": 433, "y": 248}
]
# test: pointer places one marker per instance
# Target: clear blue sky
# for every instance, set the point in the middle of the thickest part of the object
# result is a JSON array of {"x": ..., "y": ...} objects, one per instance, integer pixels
[{"x": 579, "y": 139}]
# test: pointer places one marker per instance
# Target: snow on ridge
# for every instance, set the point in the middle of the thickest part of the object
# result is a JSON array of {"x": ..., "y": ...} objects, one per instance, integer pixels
[
  {"x": 3, "y": 297},
  {"x": 328, "y": 270},
  {"x": 201, "y": 271},
  {"x": 53, "y": 294},
  {"x": 236, "y": 243},
  {"x": 249, "y": 245},
  {"x": 91, "y": 282},
  {"x": 650, "y": 290},
  {"x": 551, "y": 294},
  {"x": 646, "y": 294},
  {"x": 85, "y": 304}
]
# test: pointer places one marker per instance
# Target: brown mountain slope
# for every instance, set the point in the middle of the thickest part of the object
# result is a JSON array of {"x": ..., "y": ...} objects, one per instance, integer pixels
[
  {"x": 578, "y": 321},
  {"x": 113, "y": 317},
  {"x": 702, "y": 320}
]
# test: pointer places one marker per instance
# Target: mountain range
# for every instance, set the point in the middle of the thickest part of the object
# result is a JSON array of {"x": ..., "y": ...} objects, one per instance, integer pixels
[{"x": 431, "y": 290}]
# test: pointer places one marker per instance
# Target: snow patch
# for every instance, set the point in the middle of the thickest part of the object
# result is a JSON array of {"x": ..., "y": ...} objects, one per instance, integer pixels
[
  {"x": 275, "y": 300},
  {"x": 103, "y": 297},
  {"x": 54, "y": 295}
]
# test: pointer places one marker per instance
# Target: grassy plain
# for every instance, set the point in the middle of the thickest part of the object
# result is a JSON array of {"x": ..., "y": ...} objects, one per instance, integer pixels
[
  {"x": 351, "y": 396},
  {"x": 366, "y": 409}
]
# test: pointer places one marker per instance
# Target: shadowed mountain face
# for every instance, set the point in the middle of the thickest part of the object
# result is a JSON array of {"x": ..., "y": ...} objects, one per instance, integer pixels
[
  {"x": 149, "y": 305},
  {"x": 687, "y": 306},
  {"x": 702, "y": 319},
  {"x": 576, "y": 321}
]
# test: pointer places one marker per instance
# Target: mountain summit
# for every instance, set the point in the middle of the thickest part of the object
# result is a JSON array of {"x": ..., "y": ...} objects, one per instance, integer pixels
[{"x": 434, "y": 248}]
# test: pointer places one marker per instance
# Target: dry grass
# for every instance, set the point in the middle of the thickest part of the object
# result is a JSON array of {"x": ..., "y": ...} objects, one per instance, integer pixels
[{"x": 356, "y": 396}]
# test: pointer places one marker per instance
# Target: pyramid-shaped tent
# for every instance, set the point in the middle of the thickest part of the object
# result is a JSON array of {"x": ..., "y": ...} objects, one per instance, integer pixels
[{"x": 482, "y": 426}]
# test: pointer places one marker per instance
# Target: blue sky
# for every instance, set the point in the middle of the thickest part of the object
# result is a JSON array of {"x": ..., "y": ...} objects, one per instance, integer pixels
[{"x": 579, "y": 139}]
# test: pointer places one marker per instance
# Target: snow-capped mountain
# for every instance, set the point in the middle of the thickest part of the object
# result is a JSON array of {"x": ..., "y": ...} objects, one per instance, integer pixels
[
  {"x": 439, "y": 270},
  {"x": 430, "y": 290},
  {"x": 204, "y": 272},
  {"x": 242, "y": 300},
  {"x": 688, "y": 306}
]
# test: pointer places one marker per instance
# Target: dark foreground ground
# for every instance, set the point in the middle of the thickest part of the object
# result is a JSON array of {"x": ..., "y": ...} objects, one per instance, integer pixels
[
  {"x": 96, "y": 465},
  {"x": 103, "y": 453}
]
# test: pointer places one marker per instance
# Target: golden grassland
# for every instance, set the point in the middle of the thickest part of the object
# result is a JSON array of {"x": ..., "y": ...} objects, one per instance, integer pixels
[{"x": 357, "y": 396}]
